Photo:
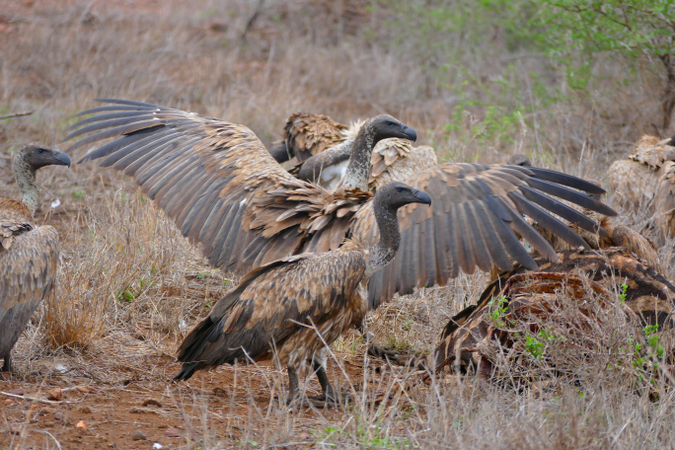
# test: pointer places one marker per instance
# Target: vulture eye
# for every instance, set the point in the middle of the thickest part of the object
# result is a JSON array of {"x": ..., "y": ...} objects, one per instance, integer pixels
[
  {"x": 400, "y": 189},
  {"x": 390, "y": 124},
  {"x": 41, "y": 150}
]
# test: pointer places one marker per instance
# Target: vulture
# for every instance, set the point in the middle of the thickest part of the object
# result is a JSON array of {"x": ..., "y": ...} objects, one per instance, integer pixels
[
  {"x": 300, "y": 304},
  {"x": 473, "y": 338},
  {"x": 29, "y": 254},
  {"x": 306, "y": 135},
  {"x": 634, "y": 180},
  {"x": 614, "y": 235},
  {"x": 392, "y": 159},
  {"x": 224, "y": 190},
  {"x": 664, "y": 204}
]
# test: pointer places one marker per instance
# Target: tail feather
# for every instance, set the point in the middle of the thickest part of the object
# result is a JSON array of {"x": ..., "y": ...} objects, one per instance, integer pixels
[{"x": 187, "y": 371}]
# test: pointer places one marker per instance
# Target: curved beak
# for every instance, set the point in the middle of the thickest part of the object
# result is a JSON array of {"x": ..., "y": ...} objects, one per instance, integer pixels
[
  {"x": 61, "y": 159},
  {"x": 422, "y": 196},
  {"x": 409, "y": 132}
]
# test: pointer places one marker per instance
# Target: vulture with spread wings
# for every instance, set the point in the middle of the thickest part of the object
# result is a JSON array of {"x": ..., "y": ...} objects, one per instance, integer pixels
[{"x": 224, "y": 189}]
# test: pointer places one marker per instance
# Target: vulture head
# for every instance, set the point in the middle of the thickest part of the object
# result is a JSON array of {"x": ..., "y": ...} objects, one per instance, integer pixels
[
  {"x": 384, "y": 126},
  {"x": 519, "y": 160},
  {"x": 396, "y": 194},
  {"x": 36, "y": 156}
]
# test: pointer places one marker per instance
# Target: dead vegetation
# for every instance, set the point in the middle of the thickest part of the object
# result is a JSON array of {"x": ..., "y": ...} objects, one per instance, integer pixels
[{"x": 131, "y": 286}]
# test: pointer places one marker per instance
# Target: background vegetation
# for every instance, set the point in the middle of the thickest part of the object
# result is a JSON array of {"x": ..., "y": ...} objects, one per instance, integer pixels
[{"x": 571, "y": 83}]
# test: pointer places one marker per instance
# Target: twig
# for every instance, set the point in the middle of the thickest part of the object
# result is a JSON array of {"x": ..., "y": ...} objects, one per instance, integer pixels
[
  {"x": 19, "y": 114},
  {"x": 251, "y": 21},
  {"x": 35, "y": 399},
  {"x": 50, "y": 435}
]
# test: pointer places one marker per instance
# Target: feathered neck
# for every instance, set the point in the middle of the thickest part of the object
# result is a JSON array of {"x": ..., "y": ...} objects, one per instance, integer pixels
[
  {"x": 384, "y": 251},
  {"x": 25, "y": 178},
  {"x": 358, "y": 170}
]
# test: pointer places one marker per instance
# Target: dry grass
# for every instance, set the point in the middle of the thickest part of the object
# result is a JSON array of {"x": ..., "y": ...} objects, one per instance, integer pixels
[{"x": 130, "y": 285}]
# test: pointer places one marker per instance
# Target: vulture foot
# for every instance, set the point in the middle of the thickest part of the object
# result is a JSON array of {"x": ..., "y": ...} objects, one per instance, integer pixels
[
  {"x": 7, "y": 366},
  {"x": 382, "y": 353}
]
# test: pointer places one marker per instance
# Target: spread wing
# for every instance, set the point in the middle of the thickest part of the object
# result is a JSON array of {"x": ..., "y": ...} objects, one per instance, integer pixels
[
  {"x": 270, "y": 305},
  {"x": 27, "y": 273},
  {"x": 217, "y": 181},
  {"x": 475, "y": 213}
]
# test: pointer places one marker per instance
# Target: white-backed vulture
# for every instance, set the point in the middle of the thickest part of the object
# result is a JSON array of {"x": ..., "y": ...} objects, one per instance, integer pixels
[
  {"x": 614, "y": 236},
  {"x": 634, "y": 180},
  {"x": 298, "y": 305},
  {"x": 29, "y": 254},
  {"x": 306, "y": 135},
  {"x": 392, "y": 159},
  {"x": 224, "y": 189}
]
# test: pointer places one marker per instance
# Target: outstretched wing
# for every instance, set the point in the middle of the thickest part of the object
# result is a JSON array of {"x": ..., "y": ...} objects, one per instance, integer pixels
[
  {"x": 271, "y": 305},
  {"x": 214, "y": 178},
  {"x": 475, "y": 213},
  {"x": 27, "y": 273}
]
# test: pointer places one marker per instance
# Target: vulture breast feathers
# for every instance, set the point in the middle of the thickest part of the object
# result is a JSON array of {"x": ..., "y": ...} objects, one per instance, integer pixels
[
  {"x": 224, "y": 189},
  {"x": 28, "y": 262}
]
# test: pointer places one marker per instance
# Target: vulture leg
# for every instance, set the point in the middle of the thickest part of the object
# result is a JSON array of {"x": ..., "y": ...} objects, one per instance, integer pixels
[
  {"x": 7, "y": 366},
  {"x": 329, "y": 394},
  {"x": 293, "y": 385}
]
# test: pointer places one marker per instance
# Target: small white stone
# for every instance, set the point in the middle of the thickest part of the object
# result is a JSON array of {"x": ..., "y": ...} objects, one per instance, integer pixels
[
  {"x": 56, "y": 203},
  {"x": 157, "y": 445}
]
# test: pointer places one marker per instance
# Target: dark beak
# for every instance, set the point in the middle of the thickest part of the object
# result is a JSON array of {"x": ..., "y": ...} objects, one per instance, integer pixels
[
  {"x": 422, "y": 196},
  {"x": 61, "y": 159},
  {"x": 410, "y": 133}
]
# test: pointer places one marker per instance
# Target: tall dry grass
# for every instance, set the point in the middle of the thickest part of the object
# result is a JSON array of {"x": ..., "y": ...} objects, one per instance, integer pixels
[{"x": 130, "y": 285}]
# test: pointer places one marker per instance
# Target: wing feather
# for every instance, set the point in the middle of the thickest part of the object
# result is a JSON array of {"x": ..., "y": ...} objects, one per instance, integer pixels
[
  {"x": 270, "y": 305},
  {"x": 474, "y": 222},
  {"x": 216, "y": 180}
]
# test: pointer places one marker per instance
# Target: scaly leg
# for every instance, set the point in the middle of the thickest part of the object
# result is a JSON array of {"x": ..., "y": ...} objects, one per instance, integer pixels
[
  {"x": 293, "y": 384},
  {"x": 7, "y": 366}
]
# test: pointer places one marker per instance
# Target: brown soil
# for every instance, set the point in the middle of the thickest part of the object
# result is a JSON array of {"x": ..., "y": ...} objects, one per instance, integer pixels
[{"x": 143, "y": 406}]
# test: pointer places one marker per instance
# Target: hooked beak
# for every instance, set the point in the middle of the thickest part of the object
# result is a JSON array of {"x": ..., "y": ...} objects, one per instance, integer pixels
[
  {"x": 422, "y": 196},
  {"x": 409, "y": 132},
  {"x": 61, "y": 159}
]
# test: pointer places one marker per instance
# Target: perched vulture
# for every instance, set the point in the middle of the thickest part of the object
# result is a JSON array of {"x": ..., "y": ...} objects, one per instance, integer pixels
[
  {"x": 614, "y": 235},
  {"x": 298, "y": 305},
  {"x": 224, "y": 189},
  {"x": 306, "y": 135},
  {"x": 29, "y": 254},
  {"x": 634, "y": 180}
]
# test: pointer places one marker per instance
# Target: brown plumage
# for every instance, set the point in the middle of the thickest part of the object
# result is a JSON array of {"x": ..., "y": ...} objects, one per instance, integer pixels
[
  {"x": 28, "y": 253},
  {"x": 397, "y": 160},
  {"x": 634, "y": 180},
  {"x": 664, "y": 204},
  {"x": 392, "y": 159},
  {"x": 276, "y": 305},
  {"x": 467, "y": 339},
  {"x": 614, "y": 235},
  {"x": 306, "y": 135},
  {"x": 223, "y": 188}
]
